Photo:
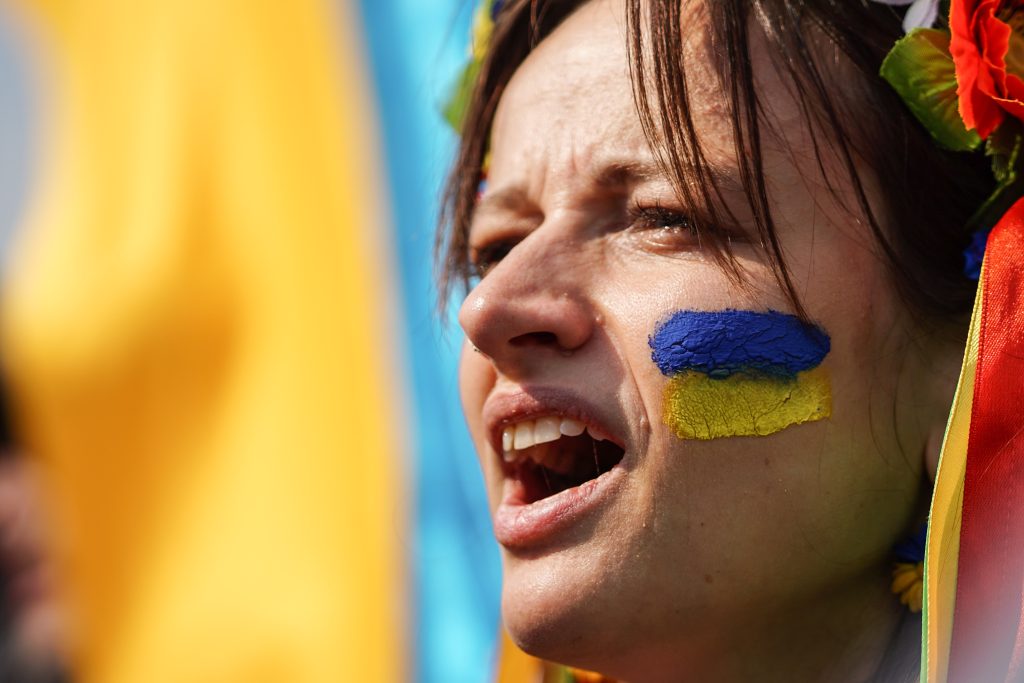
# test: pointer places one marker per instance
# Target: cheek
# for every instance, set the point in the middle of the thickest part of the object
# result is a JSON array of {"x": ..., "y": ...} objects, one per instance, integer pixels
[
  {"x": 476, "y": 377},
  {"x": 740, "y": 373}
]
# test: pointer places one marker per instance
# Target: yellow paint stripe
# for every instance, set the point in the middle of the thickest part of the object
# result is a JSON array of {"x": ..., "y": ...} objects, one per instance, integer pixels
[{"x": 699, "y": 407}]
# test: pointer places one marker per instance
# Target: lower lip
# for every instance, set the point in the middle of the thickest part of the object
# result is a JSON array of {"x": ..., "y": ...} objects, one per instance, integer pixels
[{"x": 521, "y": 525}]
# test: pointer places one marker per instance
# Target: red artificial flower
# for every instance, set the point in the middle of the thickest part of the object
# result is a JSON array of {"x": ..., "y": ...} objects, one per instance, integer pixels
[{"x": 982, "y": 31}]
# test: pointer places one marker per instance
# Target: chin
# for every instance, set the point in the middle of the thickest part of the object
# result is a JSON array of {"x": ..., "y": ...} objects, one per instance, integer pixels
[
  {"x": 568, "y": 607},
  {"x": 548, "y": 621}
]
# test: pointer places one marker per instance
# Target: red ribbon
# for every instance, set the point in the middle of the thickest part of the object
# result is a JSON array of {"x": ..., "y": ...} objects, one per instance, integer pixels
[{"x": 988, "y": 629}]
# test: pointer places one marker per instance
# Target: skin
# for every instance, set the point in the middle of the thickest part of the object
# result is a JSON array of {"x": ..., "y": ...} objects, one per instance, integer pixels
[
  {"x": 34, "y": 624},
  {"x": 735, "y": 559}
]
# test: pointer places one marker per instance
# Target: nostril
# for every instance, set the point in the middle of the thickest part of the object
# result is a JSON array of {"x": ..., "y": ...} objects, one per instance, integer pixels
[{"x": 535, "y": 339}]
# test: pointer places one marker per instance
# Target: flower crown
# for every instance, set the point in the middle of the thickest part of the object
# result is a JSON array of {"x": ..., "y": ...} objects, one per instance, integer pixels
[{"x": 962, "y": 80}]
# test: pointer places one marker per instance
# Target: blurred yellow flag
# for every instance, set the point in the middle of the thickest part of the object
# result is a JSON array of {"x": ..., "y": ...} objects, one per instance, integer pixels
[{"x": 197, "y": 329}]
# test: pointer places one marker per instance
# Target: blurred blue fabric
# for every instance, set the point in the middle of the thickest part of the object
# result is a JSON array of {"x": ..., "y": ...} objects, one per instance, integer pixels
[
  {"x": 17, "y": 127},
  {"x": 417, "y": 49}
]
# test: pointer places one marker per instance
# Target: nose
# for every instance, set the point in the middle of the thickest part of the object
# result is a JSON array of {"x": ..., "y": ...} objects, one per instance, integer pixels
[{"x": 525, "y": 309}]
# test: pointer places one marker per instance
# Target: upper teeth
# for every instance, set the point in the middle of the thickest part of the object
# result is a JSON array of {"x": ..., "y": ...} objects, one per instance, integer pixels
[{"x": 523, "y": 435}]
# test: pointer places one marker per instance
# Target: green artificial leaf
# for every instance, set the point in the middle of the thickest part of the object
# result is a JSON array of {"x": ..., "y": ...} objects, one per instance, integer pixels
[
  {"x": 455, "y": 110},
  {"x": 1004, "y": 148},
  {"x": 920, "y": 68},
  {"x": 565, "y": 675},
  {"x": 457, "y": 107}
]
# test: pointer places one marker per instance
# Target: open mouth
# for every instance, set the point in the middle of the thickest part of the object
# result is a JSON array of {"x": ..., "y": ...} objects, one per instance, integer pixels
[{"x": 549, "y": 455}]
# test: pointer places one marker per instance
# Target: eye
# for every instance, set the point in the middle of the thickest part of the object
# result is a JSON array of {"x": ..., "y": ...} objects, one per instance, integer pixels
[
  {"x": 658, "y": 217},
  {"x": 663, "y": 226},
  {"x": 483, "y": 259}
]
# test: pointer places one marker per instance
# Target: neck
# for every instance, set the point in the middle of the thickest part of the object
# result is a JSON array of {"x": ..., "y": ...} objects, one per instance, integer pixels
[{"x": 855, "y": 633}]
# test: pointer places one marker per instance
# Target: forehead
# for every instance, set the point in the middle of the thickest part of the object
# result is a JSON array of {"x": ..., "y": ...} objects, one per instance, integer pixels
[
  {"x": 571, "y": 96},
  {"x": 571, "y": 102}
]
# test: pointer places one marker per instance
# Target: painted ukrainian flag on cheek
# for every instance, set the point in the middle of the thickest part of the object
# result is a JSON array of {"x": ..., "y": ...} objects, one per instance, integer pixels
[{"x": 740, "y": 373}]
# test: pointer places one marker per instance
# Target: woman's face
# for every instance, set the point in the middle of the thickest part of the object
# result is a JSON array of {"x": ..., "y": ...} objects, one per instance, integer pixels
[{"x": 683, "y": 544}]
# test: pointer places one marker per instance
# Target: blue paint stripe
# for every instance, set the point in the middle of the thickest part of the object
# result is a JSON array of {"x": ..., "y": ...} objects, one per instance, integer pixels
[{"x": 722, "y": 343}]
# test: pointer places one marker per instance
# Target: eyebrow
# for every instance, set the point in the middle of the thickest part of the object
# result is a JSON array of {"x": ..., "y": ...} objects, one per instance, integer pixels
[
  {"x": 507, "y": 199},
  {"x": 617, "y": 173},
  {"x": 614, "y": 174}
]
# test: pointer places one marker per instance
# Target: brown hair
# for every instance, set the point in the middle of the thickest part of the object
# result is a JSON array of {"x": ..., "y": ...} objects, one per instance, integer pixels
[{"x": 928, "y": 194}]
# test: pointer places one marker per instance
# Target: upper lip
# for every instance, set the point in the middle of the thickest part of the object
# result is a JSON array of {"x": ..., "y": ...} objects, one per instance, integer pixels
[{"x": 508, "y": 407}]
